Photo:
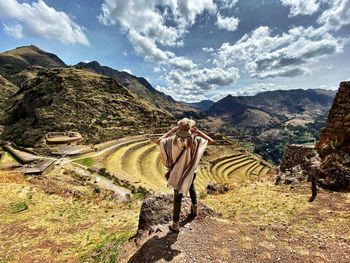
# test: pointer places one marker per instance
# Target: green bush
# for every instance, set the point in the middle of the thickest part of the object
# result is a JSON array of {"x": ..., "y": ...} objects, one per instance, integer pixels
[{"x": 18, "y": 207}]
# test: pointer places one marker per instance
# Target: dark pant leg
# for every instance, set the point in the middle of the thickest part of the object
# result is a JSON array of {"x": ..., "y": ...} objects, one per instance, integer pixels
[
  {"x": 193, "y": 193},
  {"x": 177, "y": 205}
]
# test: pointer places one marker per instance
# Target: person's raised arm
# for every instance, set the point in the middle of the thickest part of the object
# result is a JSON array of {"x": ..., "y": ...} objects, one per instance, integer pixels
[
  {"x": 165, "y": 135},
  {"x": 202, "y": 134}
]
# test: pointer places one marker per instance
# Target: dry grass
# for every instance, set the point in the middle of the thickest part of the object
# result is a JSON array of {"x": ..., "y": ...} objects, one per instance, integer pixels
[
  {"x": 12, "y": 177},
  {"x": 261, "y": 202},
  {"x": 55, "y": 228},
  {"x": 272, "y": 218},
  {"x": 7, "y": 160}
]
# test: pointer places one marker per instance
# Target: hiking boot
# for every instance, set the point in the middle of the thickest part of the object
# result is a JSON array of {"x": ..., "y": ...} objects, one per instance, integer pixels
[
  {"x": 194, "y": 209},
  {"x": 175, "y": 226}
]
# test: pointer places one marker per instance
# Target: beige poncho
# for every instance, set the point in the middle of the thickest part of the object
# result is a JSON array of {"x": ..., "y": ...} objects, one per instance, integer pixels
[{"x": 181, "y": 175}]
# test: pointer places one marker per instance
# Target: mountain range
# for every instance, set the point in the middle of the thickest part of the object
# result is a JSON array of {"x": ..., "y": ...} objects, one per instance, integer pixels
[
  {"x": 42, "y": 93},
  {"x": 272, "y": 107}
]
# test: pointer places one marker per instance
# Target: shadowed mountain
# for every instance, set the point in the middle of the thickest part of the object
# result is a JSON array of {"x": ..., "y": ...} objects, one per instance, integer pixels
[
  {"x": 64, "y": 99},
  {"x": 291, "y": 102},
  {"x": 202, "y": 105},
  {"x": 7, "y": 91},
  {"x": 268, "y": 108},
  {"x": 242, "y": 116},
  {"x": 140, "y": 86}
]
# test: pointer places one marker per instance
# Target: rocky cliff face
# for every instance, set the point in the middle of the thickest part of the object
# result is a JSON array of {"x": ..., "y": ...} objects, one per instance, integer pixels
[{"x": 337, "y": 130}]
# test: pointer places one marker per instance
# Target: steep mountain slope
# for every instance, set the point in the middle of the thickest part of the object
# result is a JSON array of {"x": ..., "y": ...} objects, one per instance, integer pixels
[
  {"x": 18, "y": 65},
  {"x": 141, "y": 87},
  {"x": 64, "y": 99},
  {"x": 7, "y": 91}
]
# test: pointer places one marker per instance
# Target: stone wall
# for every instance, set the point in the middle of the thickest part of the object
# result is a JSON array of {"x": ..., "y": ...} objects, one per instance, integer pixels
[
  {"x": 293, "y": 155},
  {"x": 337, "y": 130}
]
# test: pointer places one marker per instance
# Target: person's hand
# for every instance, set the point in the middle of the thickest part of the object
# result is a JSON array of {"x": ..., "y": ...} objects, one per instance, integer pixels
[
  {"x": 194, "y": 130},
  {"x": 174, "y": 129}
]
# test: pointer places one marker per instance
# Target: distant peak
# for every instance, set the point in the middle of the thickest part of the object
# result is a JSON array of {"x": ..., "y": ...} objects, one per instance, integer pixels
[
  {"x": 33, "y": 47},
  {"x": 95, "y": 63}
]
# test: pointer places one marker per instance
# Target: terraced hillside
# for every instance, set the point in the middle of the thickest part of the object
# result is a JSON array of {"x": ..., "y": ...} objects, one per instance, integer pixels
[{"x": 138, "y": 161}]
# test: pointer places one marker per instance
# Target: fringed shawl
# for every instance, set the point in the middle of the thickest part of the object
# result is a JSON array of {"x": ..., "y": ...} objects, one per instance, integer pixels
[{"x": 181, "y": 176}]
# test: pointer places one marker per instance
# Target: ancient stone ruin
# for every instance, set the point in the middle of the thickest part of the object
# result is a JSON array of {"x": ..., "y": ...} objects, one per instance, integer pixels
[
  {"x": 63, "y": 137},
  {"x": 328, "y": 164},
  {"x": 337, "y": 131}
]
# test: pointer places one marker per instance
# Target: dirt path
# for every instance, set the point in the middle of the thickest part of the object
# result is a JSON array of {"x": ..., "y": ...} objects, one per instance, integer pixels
[{"x": 319, "y": 232}]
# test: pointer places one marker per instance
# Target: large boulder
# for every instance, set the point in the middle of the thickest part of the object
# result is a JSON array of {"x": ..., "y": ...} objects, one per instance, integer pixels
[{"x": 156, "y": 211}]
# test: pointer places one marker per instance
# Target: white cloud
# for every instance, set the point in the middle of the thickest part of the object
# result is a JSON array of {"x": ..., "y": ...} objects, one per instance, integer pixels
[
  {"x": 251, "y": 90},
  {"x": 296, "y": 52},
  {"x": 41, "y": 20},
  {"x": 328, "y": 87},
  {"x": 229, "y": 4},
  {"x": 157, "y": 69},
  {"x": 337, "y": 16},
  {"x": 15, "y": 30},
  {"x": 193, "y": 85},
  {"x": 228, "y": 23},
  {"x": 301, "y": 7},
  {"x": 149, "y": 24},
  {"x": 127, "y": 70},
  {"x": 146, "y": 47},
  {"x": 125, "y": 53},
  {"x": 207, "y": 77},
  {"x": 182, "y": 63},
  {"x": 208, "y": 49}
]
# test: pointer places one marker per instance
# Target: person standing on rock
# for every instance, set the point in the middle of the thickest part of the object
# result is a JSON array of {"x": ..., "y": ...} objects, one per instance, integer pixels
[{"x": 181, "y": 149}]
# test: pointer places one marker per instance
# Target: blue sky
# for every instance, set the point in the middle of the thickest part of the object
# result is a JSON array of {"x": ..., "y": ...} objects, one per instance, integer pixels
[{"x": 193, "y": 49}]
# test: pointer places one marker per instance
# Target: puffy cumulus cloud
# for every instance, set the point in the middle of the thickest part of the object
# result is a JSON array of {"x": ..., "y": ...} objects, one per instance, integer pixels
[
  {"x": 181, "y": 63},
  {"x": 143, "y": 18},
  {"x": 186, "y": 11},
  {"x": 15, "y": 30},
  {"x": 228, "y": 4},
  {"x": 301, "y": 7},
  {"x": 194, "y": 84},
  {"x": 293, "y": 53},
  {"x": 337, "y": 16},
  {"x": 207, "y": 77},
  {"x": 251, "y": 90},
  {"x": 149, "y": 23},
  {"x": 40, "y": 20},
  {"x": 146, "y": 47},
  {"x": 227, "y": 23},
  {"x": 149, "y": 50}
]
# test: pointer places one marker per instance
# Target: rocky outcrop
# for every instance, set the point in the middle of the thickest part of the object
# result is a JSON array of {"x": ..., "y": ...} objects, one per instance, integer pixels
[
  {"x": 294, "y": 155},
  {"x": 156, "y": 211}
]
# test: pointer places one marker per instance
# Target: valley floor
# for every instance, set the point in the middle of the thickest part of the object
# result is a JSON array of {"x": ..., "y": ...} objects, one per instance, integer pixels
[{"x": 260, "y": 223}]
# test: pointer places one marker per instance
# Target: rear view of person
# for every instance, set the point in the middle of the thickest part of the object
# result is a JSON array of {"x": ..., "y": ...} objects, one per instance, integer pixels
[{"x": 181, "y": 149}]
